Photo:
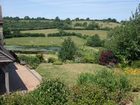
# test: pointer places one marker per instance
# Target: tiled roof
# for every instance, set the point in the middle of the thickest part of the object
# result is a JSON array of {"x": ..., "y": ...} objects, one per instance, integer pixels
[{"x": 5, "y": 55}]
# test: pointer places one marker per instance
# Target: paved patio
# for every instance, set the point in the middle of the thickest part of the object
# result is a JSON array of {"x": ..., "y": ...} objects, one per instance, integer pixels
[{"x": 21, "y": 79}]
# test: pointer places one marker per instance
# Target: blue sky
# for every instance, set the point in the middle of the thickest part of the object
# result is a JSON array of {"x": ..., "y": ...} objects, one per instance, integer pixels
[{"x": 95, "y": 9}]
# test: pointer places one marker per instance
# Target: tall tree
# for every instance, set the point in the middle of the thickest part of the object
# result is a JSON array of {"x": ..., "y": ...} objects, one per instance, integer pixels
[{"x": 68, "y": 50}]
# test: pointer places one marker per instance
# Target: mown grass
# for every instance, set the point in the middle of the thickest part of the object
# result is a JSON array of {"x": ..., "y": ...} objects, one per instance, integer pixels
[
  {"x": 43, "y": 41},
  {"x": 67, "y": 72}
]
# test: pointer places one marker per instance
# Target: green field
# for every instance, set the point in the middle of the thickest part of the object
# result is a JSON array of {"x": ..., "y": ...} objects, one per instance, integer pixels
[
  {"x": 42, "y": 41},
  {"x": 67, "y": 72},
  {"x": 44, "y": 31},
  {"x": 101, "y": 33},
  {"x": 101, "y": 23}
]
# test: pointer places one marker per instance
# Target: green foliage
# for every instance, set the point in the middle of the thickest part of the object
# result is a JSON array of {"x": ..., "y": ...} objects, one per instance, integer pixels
[
  {"x": 54, "y": 92},
  {"x": 13, "y": 99},
  {"x": 106, "y": 79},
  {"x": 51, "y": 92},
  {"x": 51, "y": 60},
  {"x": 93, "y": 25},
  {"x": 136, "y": 64},
  {"x": 94, "y": 41},
  {"x": 32, "y": 61},
  {"x": 68, "y": 50},
  {"x": 87, "y": 55},
  {"x": 89, "y": 95},
  {"x": 125, "y": 40},
  {"x": 63, "y": 33},
  {"x": 58, "y": 62},
  {"x": 86, "y": 78}
]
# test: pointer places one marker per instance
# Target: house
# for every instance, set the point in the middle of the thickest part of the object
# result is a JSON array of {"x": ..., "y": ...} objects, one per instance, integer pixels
[
  {"x": 14, "y": 76},
  {"x": 5, "y": 59}
]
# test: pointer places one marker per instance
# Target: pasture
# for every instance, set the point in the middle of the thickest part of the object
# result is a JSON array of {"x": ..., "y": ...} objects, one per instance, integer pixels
[
  {"x": 42, "y": 41},
  {"x": 101, "y": 23},
  {"x": 101, "y": 33}
]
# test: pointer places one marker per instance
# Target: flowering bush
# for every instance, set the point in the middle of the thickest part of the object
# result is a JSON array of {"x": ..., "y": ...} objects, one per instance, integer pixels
[{"x": 107, "y": 58}]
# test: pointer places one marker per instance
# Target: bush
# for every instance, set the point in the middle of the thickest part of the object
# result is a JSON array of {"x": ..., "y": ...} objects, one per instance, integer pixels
[
  {"x": 94, "y": 41},
  {"x": 13, "y": 99},
  {"x": 116, "y": 86},
  {"x": 51, "y": 92},
  {"x": 68, "y": 50},
  {"x": 136, "y": 64},
  {"x": 106, "y": 79},
  {"x": 32, "y": 61},
  {"x": 58, "y": 62},
  {"x": 87, "y": 56},
  {"x": 125, "y": 40},
  {"x": 85, "y": 78},
  {"x": 51, "y": 60},
  {"x": 107, "y": 58},
  {"x": 89, "y": 95}
]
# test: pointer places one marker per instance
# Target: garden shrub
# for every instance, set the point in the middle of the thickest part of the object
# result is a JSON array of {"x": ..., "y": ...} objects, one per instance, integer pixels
[
  {"x": 68, "y": 50},
  {"x": 51, "y": 60},
  {"x": 125, "y": 40},
  {"x": 86, "y": 78},
  {"x": 13, "y": 99},
  {"x": 86, "y": 56},
  {"x": 32, "y": 61},
  {"x": 107, "y": 58},
  {"x": 58, "y": 62},
  {"x": 94, "y": 41},
  {"x": 116, "y": 86},
  {"x": 89, "y": 95},
  {"x": 107, "y": 79},
  {"x": 136, "y": 64},
  {"x": 51, "y": 92}
]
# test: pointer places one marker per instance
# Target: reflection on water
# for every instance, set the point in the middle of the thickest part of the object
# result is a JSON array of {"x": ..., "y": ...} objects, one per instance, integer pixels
[{"x": 33, "y": 48}]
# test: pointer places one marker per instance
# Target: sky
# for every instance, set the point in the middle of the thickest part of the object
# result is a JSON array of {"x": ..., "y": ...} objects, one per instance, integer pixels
[{"x": 94, "y": 9}]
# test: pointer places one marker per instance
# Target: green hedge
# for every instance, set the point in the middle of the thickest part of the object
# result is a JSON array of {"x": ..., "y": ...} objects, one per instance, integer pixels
[{"x": 25, "y": 35}]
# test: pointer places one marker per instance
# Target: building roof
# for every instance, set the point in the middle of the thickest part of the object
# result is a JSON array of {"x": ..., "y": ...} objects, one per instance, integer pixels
[
  {"x": 5, "y": 55},
  {"x": 1, "y": 16}
]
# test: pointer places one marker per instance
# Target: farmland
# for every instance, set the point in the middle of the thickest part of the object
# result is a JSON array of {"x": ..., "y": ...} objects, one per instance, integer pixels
[
  {"x": 102, "y": 55},
  {"x": 42, "y": 41}
]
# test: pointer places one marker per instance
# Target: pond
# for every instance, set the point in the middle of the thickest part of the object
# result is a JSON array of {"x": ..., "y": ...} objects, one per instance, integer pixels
[{"x": 33, "y": 49}]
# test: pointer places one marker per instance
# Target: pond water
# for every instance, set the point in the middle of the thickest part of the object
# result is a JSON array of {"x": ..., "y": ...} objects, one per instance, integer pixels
[{"x": 33, "y": 48}]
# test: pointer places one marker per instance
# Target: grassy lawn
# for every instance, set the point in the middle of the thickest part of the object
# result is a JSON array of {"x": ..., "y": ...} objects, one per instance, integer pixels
[
  {"x": 43, "y": 41},
  {"x": 67, "y": 72}
]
